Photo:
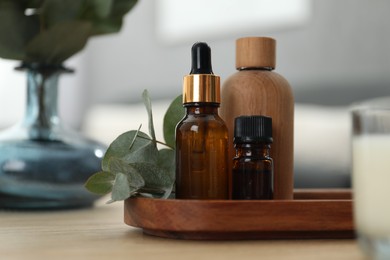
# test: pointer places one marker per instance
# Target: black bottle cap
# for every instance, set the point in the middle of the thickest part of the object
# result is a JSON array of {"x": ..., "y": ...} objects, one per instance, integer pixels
[
  {"x": 253, "y": 129},
  {"x": 201, "y": 59}
]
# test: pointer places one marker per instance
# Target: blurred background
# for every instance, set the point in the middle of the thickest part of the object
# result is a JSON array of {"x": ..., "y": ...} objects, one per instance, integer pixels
[{"x": 333, "y": 53}]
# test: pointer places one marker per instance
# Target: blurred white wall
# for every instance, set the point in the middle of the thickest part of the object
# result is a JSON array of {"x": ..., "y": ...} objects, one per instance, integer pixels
[
  {"x": 12, "y": 93},
  {"x": 344, "y": 44},
  {"x": 177, "y": 21}
]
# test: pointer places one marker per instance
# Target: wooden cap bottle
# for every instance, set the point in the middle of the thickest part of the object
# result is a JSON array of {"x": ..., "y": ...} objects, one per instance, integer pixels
[{"x": 256, "y": 90}]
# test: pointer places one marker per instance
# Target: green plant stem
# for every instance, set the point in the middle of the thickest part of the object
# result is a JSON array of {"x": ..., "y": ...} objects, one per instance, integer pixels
[{"x": 156, "y": 141}]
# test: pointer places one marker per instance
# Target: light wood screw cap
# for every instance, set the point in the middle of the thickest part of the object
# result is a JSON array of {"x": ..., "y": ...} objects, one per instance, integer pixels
[{"x": 255, "y": 52}]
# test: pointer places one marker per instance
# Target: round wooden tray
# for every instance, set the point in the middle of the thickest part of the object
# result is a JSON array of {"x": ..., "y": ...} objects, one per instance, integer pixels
[{"x": 312, "y": 214}]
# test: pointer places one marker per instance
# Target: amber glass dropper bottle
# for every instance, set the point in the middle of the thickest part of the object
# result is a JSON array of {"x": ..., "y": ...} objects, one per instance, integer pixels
[{"x": 201, "y": 136}]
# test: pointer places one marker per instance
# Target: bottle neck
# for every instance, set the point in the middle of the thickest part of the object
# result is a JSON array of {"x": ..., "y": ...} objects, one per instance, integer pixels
[
  {"x": 258, "y": 149},
  {"x": 255, "y": 68},
  {"x": 41, "y": 115},
  {"x": 201, "y": 108}
]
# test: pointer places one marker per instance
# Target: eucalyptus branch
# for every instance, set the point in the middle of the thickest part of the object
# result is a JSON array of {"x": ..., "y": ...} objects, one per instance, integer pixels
[
  {"x": 156, "y": 141},
  {"x": 150, "y": 172}
]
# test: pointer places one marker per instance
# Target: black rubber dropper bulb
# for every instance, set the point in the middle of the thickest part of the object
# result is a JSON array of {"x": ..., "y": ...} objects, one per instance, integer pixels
[{"x": 201, "y": 59}]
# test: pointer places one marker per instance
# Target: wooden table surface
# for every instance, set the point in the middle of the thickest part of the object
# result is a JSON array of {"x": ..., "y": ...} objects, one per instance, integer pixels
[{"x": 99, "y": 233}]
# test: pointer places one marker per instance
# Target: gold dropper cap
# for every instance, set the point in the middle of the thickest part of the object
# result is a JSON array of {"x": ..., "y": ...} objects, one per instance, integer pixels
[
  {"x": 201, "y": 88},
  {"x": 201, "y": 85}
]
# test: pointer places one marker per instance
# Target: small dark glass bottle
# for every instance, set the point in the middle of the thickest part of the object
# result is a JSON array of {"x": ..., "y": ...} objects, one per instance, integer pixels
[
  {"x": 201, "y": 136},
  {"x": 252, "y": 165}
]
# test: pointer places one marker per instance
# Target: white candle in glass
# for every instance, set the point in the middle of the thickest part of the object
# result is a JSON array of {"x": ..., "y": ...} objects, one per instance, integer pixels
[{"x": 371, "y": 182}]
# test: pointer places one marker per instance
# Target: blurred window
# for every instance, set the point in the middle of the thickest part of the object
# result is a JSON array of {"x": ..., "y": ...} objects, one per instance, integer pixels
[{"x": 183, "y": 20}]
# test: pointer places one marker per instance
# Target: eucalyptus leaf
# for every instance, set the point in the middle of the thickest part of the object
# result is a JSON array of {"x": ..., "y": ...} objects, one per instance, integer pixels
[
  {"x": 116, "y": 165},
  {"x": 135, "y": 179},
  {"x": 168, "y": 191},
  {"x": 138, "y": 166},
  {"x": 155, "y": 177},
  {"x": 100, "y": 183},
  {"x": 148, "y": 105},
  {"x": 58, "y": 43},
  {"x": 121, "y": 190},
  {"x": 166, "y": 160},
  {"x": 124, "y": 147},
  {"x": 172, "y": 117}
]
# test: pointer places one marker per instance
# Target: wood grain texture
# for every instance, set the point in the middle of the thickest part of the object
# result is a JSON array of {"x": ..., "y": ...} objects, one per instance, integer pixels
[
  {"x": 322, "y": 194},
  {"x": 267, "y": 93},
  {"x": 251, "y": 219},
  {"x": 255, "y": 52}
]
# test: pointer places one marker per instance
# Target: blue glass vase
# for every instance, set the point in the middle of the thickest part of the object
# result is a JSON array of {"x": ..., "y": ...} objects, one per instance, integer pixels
[{"x": 44, "y": 165}]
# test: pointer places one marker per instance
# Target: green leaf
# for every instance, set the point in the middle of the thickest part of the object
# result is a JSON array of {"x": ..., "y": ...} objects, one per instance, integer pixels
[
  {"x": 124, "y": 147},
  {"x": 58, "y": 43},
  {"x": 121, "y": 7},
  {"x": 57, "y": 29},
  {"x": 100, "y": 183},
  {"x": 135, "y": 179},
  {"x": 156, "y": 178},
  {"x": 139, "y": 168},
  {"x": 16, "y": 29},
  {"x": 102, "y": 8},
  {"x": 148, "y": 105},
  {"x": 121, "y": 189},
  {"x": 172, "y": 117},
  {"x": 57, "y": 11},
  {"x": 168, "y": 191},
  {"x": 166, "y": 160},
  {"x": 113, "y": 22}
]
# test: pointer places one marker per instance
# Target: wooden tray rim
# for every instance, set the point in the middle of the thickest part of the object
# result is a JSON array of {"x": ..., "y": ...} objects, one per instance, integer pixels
[{"x": 304, "y": 217}]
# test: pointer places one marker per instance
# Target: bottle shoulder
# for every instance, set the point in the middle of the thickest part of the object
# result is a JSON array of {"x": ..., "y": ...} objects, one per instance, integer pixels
[
  {"x": 256, "y": 89},
  {"x": 257, "y": 79},
  {"x": 251, "y": 162},
  {"x": 202, "y": 117},
  {"x": 191, "y": 122}
]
